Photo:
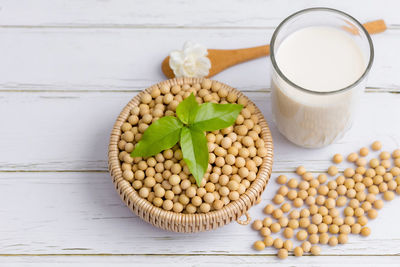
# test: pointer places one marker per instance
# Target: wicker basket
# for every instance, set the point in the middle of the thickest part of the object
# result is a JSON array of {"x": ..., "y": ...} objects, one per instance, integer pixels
[{"x": 179, "y": 222}]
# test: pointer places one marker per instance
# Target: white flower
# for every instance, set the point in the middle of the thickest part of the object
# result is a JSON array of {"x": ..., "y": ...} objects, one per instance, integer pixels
[{"x": 192, "y": 61}]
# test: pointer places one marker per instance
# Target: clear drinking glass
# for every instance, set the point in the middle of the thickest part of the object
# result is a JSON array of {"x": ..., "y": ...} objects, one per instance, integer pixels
[{"x": 311, "y": 118}]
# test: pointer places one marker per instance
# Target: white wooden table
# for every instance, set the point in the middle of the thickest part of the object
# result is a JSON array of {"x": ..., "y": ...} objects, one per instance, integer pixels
[{"x": 68, "y": 67}]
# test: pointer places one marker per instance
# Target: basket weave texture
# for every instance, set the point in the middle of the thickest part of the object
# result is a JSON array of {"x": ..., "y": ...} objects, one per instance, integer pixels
[{"x": 179, "y": 222}]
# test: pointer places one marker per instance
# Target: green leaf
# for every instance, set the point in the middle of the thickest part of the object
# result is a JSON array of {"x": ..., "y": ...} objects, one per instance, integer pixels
[
  {"x": 187, "y": 109},
  {"x": 162, "y": 134},
  {"x": 211, "y": 116},
  {"x": 195, "y": 152}
]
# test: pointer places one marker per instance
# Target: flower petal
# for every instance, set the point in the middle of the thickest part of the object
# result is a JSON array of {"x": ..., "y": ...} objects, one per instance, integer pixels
[{"x": 192, "y": 61}]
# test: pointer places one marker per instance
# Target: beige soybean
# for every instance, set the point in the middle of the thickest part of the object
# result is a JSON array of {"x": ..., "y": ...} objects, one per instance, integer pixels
[
  {"x": 292, "y": 194},
  {"x": 293, "y": 223},
  {"x": 265, "y": 231},
  {"x": 337, "y": 158},
  {"x": 388, "y": 196},
  {"x": 268, "y": 241},
  {"x": 330, "y": 203},
  {"x": 362, "y": 220},
  {"x": 322, "y": 228},
  {"x": 378, "y": 204},
  {"x": 322, "y": 178},
  {"x": 278, "y": 199},
  {"x": 386, "y": 164},
  {"x": 334, "y": 213},
  {"x": 267, "y": 221},
  {"x": 275, "y": 227},
  {"x": 333, "y": 241},
  {"x": 356, "y": 228},
  {"x": 333, "y": 170},
  {"x": 372, "y": 213},
  {"x": 316, "y": 218},
  {"x": 324, "y": 238},
  {"x": 288, "y": 232},
  {"x": 327, "y": 219},
  {"x": 304, "y": 185},
  {"x": 314, "y": 239},
  {"x": 396, "y": 154},
  {"x": 306, "y": 246},
  {"x": 259, "y": 245},
  {"x": 268, "y": 209},
  {"x": 323, "y": 211},
  {"x": 257, "y": 225},
  {"x": 365, "y": 231},
  {"x": 304, "y": 213},
  {"x": 366, "y": 206},
  {"x": 301, "y": 235},
  {"x": 315, "y": 250},
  {"x": 312, "y": 192},
  {"x": 308, "y": 176},
  {"x": 313, "y": 209},
  {"x": 298, "y": 251},
  {"x": 283, "y": 221},
  {"x": 376, "y": 145},
  {"x": 340, "y": 180},
  {"x": 288, "y": 245},
  {"x": 302, "y": 194},
  {"x": 294, "y": 214},
  {"x": 292, "y": 183},
  {"x": 286, "y": 207},
  {"x": 343, "y": 238},
  {"x": 281, "y": 179},
  {"x": 341, "y": 201},
  {"x": 282, "y": 253},
  {"x": 298, "y": 202},
  {"x": 349, "y": 172},
  {"x": 320, "y": 200},
  {"x": 312, "y": 229},
  {"x": 301, "y": 170},
  {"x": 352, "y": 157},
  {"x": 278, "y": 213},
  {"x": 333, "y": 229},
  {"x": 278, "y": 243},
  {"x": 364, "y": 151},
  {"x": 361, "y": 162},
  {"x": 314, "y": 183},
  {"x": 345, "y": 229}
]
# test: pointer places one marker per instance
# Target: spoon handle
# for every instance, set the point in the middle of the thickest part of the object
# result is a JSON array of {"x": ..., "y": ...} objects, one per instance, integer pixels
[{"x": 222, "y": 59}]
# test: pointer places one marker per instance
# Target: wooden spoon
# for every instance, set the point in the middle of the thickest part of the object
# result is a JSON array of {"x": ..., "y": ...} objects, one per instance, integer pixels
[{"x": 223, "y": 59}]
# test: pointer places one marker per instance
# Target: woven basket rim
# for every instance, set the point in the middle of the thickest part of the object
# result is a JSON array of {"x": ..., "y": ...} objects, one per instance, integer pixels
[{"x": 233, "y": 210}]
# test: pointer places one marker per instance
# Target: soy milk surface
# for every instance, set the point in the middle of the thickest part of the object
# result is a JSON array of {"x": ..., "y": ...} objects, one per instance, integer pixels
[{"x": 319, "y": 59}]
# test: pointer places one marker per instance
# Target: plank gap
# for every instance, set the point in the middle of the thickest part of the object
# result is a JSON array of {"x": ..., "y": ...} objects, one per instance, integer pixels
[
  {"x": 191, "y": 255},
  {"x": 136, "y": 90},
  {"x": 394, "y": 27}
]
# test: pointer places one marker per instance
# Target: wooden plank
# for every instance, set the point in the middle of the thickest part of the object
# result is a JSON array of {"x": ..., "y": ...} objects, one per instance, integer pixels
[
  {"x": 141, "y": 13},
  {"x": 70, "y": 131},
  {"x": 99, "y": 261},
  {"x": 80, "y": 213},
  {"x": 129, "y": 59}
]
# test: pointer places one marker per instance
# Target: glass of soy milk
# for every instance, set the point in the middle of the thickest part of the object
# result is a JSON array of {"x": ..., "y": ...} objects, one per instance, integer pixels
[{"x": 320, "y": 60}]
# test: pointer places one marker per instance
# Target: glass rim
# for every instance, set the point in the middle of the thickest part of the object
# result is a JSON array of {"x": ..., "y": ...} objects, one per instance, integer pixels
[{"x": 307, "y": 10}]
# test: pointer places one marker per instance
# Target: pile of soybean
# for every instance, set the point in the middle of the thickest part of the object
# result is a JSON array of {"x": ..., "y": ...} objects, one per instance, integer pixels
[
  {"x": 308, "y": 209},
  {"x": 235, "y": 153}
]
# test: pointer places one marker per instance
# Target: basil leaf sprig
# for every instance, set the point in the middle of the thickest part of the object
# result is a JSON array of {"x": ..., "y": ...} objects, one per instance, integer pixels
[{"x": 188, "y": 128}]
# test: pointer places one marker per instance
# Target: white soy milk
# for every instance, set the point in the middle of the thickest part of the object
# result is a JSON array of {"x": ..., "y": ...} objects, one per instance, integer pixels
[{"x": 319, "y": 59}]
